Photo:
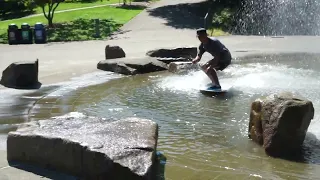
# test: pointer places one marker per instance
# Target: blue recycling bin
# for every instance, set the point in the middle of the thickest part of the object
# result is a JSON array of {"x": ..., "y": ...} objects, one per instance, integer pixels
[{"x": 40, "y": 33}]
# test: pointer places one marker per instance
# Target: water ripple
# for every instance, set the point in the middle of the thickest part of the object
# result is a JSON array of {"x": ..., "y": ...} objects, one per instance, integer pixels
[{"x": 205, "y": 137}]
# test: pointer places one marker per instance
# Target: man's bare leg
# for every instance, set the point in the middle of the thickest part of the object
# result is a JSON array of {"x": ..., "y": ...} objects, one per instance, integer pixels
[{"x": 212, "y": 74}]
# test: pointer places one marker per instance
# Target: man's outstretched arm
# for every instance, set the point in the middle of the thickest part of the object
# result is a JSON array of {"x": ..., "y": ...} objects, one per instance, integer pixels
[{"x": 199, "y": 55}]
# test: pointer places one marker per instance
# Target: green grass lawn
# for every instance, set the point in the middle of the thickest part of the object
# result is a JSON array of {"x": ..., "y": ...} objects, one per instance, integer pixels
[
  {"x": 78, "y": 22},
  {"x": 73, "y": 5},
  {"x": 217, "y": 32}
]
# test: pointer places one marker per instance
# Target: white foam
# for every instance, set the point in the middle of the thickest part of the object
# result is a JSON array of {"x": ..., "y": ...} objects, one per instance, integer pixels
[
  {"x": 83, "y": 81},
  {"x": 255, "y": 79},
  {"x": 71, "y": 115},
  {"x": 188, "y": 83}
]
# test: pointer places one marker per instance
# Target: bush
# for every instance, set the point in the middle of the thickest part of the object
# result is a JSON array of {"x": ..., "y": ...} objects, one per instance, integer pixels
[
  {"x": 81, "y": 1},
  {"x": 15, "y": 8}
]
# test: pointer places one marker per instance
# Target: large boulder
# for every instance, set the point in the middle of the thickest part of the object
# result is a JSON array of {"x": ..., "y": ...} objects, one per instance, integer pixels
[
  {"x": 183, "y": 52},
  {"x": 279, "y": 122},
  {"x": 179, "y": 67},
  {"x": 132, "y": 66},
  {"x": 21, "y": 75},
  {"x": 113, "y": 52},
  {"x": 88, "y": 147}
]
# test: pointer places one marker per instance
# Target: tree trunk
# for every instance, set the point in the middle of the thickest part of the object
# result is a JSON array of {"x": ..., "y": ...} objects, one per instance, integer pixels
[{"x": 50, "y": 22}]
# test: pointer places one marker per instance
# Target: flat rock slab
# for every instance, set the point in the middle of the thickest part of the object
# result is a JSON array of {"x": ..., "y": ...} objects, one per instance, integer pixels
[
  {"x": 182, "y": 52},
  {"x": 88, "y": 147},
  {"x": 132, "y": 66}
]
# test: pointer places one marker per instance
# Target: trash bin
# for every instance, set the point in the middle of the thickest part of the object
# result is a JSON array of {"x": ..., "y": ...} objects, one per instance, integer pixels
[
  {"x": 40, "y": 34},
  {"x": 13, "y": 34},
  {"x": 26, "y": 34}
]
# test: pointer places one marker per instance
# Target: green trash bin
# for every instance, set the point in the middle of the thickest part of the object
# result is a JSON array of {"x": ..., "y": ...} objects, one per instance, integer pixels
[
  {"x": 26, "y": 34},
  {"x": 40, "y": 34},
  {"x": 13, "y": 34}
]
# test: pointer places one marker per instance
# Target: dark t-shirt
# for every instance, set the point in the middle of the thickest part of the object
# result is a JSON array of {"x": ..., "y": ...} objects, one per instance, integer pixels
[{"x": 214, "y": 46}]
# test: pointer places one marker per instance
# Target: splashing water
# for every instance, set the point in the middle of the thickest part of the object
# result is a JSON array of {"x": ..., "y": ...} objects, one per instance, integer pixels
[{"x": 279, "y": 17}]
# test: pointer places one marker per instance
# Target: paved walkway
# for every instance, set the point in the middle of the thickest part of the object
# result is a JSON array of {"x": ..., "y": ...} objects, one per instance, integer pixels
[{"x": 166, "y": 24}]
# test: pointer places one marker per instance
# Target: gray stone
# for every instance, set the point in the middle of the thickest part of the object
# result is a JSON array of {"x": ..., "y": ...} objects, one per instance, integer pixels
[
  {"x": 113, "y": 52},
  {"x": 178, "y": 67},
  {"x": 183, "y": 52},
  {"x": 21, "y": 75},
  {"x": 279, "y": 122},
  {"x": 132, "y": 66},
  {"x": 88, "y": 147}
]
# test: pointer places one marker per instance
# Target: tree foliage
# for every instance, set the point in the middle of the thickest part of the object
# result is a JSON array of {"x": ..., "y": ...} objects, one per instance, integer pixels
[
  {"x": 15, "y": 8},
  {"x": 52, "y": 6}
]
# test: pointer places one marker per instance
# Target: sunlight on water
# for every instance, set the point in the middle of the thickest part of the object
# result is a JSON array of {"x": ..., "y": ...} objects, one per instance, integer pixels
[
  {"x": 191, "y": 82},
  {"x": 206, "y": 137}
]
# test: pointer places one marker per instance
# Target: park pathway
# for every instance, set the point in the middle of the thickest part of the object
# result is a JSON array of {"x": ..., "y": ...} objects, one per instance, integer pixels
[{"x": 168, "y": 23}]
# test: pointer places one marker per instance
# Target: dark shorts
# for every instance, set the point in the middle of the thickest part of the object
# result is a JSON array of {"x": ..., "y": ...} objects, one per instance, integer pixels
[{"x": 225, "y": 60}]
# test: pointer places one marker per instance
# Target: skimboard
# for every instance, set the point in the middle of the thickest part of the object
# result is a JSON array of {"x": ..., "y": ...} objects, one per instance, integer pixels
[{"x": 207, "y": 90}]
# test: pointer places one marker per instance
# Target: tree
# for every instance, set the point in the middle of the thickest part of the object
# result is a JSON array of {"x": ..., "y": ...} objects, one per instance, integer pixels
[{"x": 52, "y": 6}]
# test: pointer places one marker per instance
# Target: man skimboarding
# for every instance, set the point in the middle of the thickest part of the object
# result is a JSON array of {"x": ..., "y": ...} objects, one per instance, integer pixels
[{"x": 222, "y": 56}]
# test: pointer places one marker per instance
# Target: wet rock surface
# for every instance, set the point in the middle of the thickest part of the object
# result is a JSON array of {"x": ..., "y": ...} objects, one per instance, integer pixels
[
  {"x": 182, "y": 52},
  {"x": 21, "y": 75},
  {"x": 88, "y": 147},
  {"x": 280, "y": 122},
  {"x": 132, "y": 66}
]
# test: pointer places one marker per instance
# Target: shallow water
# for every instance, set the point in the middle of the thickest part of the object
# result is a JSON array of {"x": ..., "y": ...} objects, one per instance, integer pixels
[{"x": 206, "y": 137}]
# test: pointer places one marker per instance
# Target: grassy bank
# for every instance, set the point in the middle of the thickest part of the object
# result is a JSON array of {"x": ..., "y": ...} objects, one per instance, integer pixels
[
  {"x": 78, "y": 25},
  {"x": 73, "y": 5},
  {"x": 217, "y": 32}
]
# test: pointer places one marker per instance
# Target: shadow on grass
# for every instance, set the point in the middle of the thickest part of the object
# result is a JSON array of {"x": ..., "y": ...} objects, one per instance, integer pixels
[
  {"x": 81, "y": 30},
  {"x": 181, "y": 16},
  {"x": 132, "y": 7},
  {"x": 78, "y": 30},
  {"x": 15, "y": 15},
  {"x": 4, "y": 38}
]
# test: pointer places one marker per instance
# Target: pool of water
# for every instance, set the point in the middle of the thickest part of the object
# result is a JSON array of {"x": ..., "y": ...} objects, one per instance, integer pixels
[{"x": 206, "y": 137}]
